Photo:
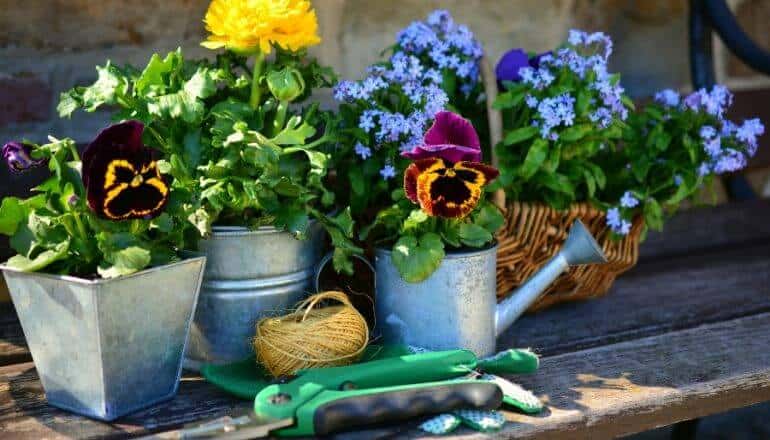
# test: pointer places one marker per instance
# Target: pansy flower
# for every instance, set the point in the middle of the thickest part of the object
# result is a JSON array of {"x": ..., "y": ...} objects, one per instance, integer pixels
[
  {"x": 122, "y": 178},
  {"x": 447, "y": 179},
  {"x": 18, "y": 157}
]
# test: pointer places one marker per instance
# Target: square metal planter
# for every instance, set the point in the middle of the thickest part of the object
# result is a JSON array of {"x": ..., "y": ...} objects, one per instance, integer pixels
[{"x": 105, "y": 348}]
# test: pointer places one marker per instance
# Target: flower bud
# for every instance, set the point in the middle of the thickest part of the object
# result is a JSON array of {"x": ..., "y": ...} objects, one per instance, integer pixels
[
  {"x": 286, "y": 84},
  {"x": 18, "y": 157}
]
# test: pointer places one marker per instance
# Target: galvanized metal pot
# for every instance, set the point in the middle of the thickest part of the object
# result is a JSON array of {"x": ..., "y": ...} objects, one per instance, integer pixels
[
  {"x": 105, "y": 348},
  {"x": 453, "y": 308},
  {"x": 249, "y": 275}
]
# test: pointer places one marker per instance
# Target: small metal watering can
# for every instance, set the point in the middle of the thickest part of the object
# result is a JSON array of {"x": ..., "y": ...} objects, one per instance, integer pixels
[{"x": 456, "y": 307}]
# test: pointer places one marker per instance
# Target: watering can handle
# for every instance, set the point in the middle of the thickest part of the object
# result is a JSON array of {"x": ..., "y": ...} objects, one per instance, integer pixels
[{"x": 327, "y": 258}]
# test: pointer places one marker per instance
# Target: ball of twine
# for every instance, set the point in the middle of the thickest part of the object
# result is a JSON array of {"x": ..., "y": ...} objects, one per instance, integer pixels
[{"x": 312, "y": 336}]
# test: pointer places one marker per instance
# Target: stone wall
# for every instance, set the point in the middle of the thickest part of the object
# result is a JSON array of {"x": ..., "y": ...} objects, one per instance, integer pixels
[{"x": 47, "y": 46}]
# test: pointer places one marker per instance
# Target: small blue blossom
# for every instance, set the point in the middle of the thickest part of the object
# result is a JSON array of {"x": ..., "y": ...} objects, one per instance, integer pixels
[
  {"x": 628, "y": 200},
  {"x": 363, "y": 151},
  {"x": 366, "y": 120},
  {"x": 531, "y": 101},
  {"x": 667, "y": 97},
  {"x": 748, "y": 133},
  {"x": 388, "y": 172},
  {"x": 613, "y": 217},
  {"x": 616, "y": 223},
  {"x": 556, "y": 111},
  {"x": 713, "y": 146},
  {"x": 707, "y": 132},
  {"x": 678, "y": 180}
]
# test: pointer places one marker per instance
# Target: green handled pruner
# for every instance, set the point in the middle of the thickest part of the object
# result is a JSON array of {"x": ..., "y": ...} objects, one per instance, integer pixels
[{"x": 326, "y": 400}]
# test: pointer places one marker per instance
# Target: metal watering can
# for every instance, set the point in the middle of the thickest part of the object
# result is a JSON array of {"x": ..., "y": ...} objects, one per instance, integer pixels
[{"x": 456, "y": 307}]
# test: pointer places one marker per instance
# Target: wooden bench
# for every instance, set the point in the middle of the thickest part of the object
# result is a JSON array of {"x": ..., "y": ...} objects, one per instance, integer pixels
[{"x": 683, "y": 335}]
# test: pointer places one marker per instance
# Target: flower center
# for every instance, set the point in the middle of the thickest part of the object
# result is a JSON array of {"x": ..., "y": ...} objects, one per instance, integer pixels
[
  {"x": 450, "y": 173},
  {"x": 137, "y": 180}
]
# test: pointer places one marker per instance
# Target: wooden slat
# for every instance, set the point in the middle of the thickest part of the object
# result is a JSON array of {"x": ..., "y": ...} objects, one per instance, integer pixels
[
  {"x": 708, "y": 228},
  {"x": 24, "y": 413},
  {"x": 646, "y": 383},
  {"x": 653, "y": 298}
]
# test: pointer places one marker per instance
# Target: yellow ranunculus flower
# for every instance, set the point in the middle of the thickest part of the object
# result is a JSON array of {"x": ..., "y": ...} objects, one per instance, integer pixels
[{"x": 247, "y": 25}]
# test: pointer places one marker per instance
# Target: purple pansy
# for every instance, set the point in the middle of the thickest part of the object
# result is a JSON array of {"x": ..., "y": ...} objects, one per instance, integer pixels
[
  {"x": 18, "y": 157},
  {"x": 512, "y": 61},
  {"x": 451, "y": 137}
]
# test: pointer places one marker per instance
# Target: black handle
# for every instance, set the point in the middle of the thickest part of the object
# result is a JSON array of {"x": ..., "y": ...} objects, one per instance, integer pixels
[{"x": 394, "y": 406}]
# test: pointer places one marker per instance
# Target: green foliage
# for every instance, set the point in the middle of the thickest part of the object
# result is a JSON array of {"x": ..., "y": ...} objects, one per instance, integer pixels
[
  {"x": 421, "y": 240},
  {"x": 240, "y": 162},
  {"x": 558, "y": 171},
  {"x": 55, "y": 231}
]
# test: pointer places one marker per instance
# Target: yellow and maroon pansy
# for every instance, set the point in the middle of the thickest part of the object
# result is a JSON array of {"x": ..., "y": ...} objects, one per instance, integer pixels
[
  {"x": 121, "y": 175},
  {"x": 448, "y": 190}
]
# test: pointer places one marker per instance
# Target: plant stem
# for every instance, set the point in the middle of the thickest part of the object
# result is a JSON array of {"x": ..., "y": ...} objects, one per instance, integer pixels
[
  {"x": 74, "y": 152},
  {"x": 280, "y": 117},
  {"x": 256, "y": 92}
]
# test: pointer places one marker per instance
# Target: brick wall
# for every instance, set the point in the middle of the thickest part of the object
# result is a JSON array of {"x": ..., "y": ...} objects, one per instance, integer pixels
[{"x": 47, "y": 46}]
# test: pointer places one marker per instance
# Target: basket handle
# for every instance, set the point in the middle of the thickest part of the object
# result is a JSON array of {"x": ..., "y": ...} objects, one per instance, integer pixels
[{"x": 495, "y": 119}]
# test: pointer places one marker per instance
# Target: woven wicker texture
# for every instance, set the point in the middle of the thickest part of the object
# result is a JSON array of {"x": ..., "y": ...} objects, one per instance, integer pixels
[{"x": 533, "y": 233}]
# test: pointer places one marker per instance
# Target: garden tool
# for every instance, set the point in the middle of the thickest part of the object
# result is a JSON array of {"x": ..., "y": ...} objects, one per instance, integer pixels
[{"x": 397, "y": 388}]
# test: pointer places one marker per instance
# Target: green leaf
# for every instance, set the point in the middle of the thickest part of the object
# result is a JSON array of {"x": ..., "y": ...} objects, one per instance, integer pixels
[
  {"x": 536, "y": 155},
  {"x": 157, "y": 69},
  {"x": 489, "y": 217},
  {"x": 41, "y": 261},
  {"x": 474, "y": 235},
  {"x": 557, "y": 182},
  {"x": 68, "y": 102},
  {"x": 295, "y": 133},
  {"x": 416, "y": 259},
  {"x": 192, "y": 148},
  {"x": 125, "y": 262},
  {"x": 520, "y": 135},
  {"x": 653, "y": 214},
  {"x": 416, "y": 218},
  {"x": 12, "y": 213},
  {"x": 575, "y": 133},
  {"x": 109, "y": 84}
]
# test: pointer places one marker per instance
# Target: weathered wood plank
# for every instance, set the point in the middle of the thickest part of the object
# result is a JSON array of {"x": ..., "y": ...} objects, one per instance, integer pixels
[
  {"x": 24, "y": 413},
  {"x": 709, "y": 227},
  {"x": 653, "y": 298},
  {"x": 642, "y": 384},
  {"x": 596, "y": 393}
]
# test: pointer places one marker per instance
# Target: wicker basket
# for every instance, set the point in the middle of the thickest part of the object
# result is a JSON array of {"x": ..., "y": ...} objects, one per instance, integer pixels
[{"x": 533, "y": 233}]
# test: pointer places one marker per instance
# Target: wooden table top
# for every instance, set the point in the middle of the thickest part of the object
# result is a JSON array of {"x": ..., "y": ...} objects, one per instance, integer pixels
[{"x": 683, "y": 335}]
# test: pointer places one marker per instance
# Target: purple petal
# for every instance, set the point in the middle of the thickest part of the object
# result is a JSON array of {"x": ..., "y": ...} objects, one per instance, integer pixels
[
  {"x": 451, "y": 128},
  {"x": 124, "y": 138},
  {"x": 18, "y": 157},
  {"x": 448, "y": 152},
  {"x": 534, "y": 62},
  {"x": 508, "y": 67}
]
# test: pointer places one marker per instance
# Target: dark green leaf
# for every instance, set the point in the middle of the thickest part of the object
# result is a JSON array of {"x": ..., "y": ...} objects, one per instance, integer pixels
[{"x": 536, "y": 155}]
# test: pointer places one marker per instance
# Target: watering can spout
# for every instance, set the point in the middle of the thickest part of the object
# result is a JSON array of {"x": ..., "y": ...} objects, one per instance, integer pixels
[{"x": 579, "y": 248}]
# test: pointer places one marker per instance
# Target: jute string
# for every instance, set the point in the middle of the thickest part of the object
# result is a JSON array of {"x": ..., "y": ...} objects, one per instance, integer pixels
[{"x": 311, "y": 336}]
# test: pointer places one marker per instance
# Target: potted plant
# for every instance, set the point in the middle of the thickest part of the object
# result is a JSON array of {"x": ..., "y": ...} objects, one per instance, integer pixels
[
  {"x": 103, "y": 294},
  {"x": 575, "y": 147},
  {"x": 251, "y": 158}
]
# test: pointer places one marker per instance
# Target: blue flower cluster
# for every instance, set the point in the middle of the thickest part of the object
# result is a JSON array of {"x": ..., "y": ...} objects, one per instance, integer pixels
[
  {"x": 586, "y": 56},
  {"x": 414, "y": 72},
  {"x": 559, "y": 110},
  {"x": 446, "y": 45},
  {"x": 728, "y": 146}
]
